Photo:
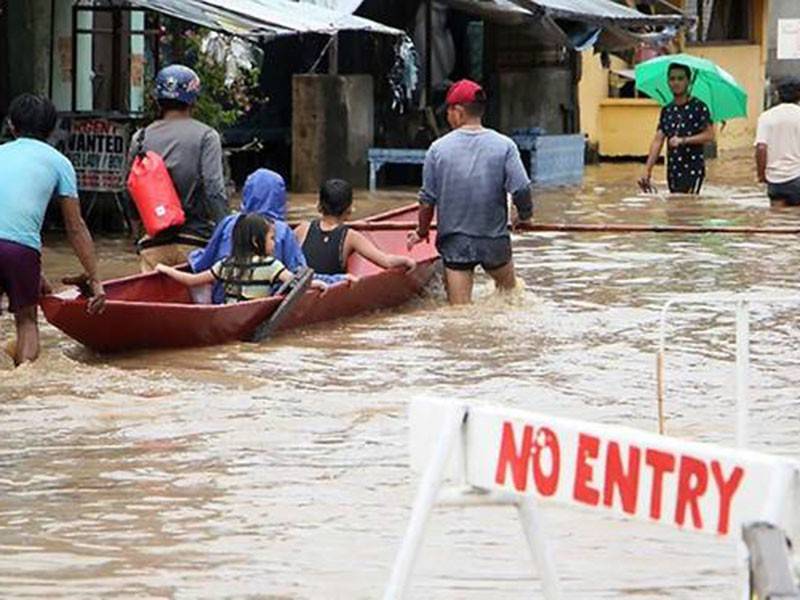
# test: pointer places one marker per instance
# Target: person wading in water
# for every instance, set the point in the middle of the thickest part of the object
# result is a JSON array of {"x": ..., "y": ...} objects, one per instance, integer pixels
[
  {"x": 466, "y": 178},
  {"x": 192, "y": 152},
  {"x": 685, "y": 124},
  {"x": 31, "y": 174},
  {"x": 778, "y": 145}
]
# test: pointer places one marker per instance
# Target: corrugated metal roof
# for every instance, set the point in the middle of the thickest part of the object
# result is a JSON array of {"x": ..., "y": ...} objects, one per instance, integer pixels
[
  {"x": 577, "y": 23},
  {"x": 256, "y": 18},
  {"x": 595, "y": 12},
  {"x": 600, "y": 12},
  {"x": 345, "y": 6}
]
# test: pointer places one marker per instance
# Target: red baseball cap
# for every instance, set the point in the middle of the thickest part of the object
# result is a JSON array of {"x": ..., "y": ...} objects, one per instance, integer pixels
[{"x": 463, "y": 92}]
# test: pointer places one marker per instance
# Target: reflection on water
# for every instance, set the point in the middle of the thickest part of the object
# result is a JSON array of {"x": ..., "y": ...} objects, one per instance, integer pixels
[{"x": 280, "y": 470}]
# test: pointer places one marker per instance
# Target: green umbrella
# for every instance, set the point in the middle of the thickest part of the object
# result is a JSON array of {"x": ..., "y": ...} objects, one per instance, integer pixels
[{"x": 710, "y": 83}]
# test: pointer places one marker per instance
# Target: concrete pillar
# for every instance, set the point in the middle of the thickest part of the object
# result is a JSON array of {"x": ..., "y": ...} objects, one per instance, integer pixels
[
  {"x": 28, "y": 46},
  {"x": 332, "y": 128},
  {"x": 62, "y": 57}
]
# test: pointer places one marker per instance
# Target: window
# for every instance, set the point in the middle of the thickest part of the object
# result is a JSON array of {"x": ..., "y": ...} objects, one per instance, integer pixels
[
  {"x": 113, "y": 48},
  {"x": 721, "y": 20}
]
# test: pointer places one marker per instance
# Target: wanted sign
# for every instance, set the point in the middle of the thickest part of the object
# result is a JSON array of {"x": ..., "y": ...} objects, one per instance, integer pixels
[{"x": 98, "y": 149}]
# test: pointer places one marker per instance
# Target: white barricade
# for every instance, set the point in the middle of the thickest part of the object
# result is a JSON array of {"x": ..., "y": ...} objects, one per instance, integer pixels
[{"x": 506, "y": 456}]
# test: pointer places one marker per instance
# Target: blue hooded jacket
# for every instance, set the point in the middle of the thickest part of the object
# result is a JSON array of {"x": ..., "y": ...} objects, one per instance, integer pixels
[{"x": 264, "y": 193}]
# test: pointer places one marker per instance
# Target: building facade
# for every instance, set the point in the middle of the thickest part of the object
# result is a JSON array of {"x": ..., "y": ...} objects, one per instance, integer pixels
[{"x": 732, "y": 33}]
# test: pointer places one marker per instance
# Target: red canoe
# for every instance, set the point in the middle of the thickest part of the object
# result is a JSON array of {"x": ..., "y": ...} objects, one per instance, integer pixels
[{"x": 154, "y": 311}]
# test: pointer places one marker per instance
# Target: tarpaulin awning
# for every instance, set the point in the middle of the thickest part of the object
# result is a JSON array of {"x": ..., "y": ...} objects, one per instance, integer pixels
[
  {"x": 262, "y": 18},
  {"x": 600, "y": 12},
  {"x": 579, "y": 24}
]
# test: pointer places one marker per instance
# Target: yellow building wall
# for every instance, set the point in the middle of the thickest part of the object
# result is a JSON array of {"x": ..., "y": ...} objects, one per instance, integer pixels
[
  {"x": 745, "y": 63},
  {"x": 592, "y": 90},
  {"x": 627, "y": 126}
]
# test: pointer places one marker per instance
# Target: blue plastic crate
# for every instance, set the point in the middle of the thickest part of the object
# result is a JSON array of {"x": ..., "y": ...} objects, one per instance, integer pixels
[{"x": 553, "y": 159}]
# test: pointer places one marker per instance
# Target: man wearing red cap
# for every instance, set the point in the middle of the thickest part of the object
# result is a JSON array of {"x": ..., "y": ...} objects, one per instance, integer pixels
[{"x": 466, "y": 179}]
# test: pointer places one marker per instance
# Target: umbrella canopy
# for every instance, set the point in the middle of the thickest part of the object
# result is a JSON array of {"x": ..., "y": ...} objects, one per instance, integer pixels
[{"x": 712, "y": 84}]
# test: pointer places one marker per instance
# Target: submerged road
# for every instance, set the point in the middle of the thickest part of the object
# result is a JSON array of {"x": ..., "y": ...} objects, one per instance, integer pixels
[{"x": 280, "y": 470}]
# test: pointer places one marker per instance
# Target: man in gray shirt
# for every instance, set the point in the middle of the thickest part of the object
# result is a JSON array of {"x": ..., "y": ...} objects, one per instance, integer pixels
[
  {"x": 192, "y": 152},
  {"x": 467, "y": 176}
]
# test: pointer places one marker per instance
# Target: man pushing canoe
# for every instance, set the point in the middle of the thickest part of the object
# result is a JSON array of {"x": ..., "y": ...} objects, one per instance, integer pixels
[{"x": 466, "y": 178}]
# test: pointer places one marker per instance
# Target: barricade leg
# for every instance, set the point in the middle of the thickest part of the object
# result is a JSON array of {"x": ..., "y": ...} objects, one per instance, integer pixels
[
  {"x": 532, "y": 525},
  {"x": 423, "y": 504}
]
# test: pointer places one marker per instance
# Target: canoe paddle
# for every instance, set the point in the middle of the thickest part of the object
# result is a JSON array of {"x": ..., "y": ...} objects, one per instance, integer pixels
[{"x": 291, "y": 291}]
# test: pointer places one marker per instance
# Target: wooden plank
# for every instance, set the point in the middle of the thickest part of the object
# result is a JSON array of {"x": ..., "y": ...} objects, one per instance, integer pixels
[{"x": 601, "y": 228}]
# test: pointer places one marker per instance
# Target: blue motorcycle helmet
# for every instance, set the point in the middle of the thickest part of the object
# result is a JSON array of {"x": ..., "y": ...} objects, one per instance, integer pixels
[{"x": 178, "y": 83}]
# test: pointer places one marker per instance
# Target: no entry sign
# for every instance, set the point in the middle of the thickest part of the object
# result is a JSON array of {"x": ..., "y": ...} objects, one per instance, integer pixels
[{"x": 691, "y": 486}]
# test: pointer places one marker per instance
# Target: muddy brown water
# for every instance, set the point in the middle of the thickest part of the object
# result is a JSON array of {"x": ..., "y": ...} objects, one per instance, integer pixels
[{"x": 280, "y": 470}]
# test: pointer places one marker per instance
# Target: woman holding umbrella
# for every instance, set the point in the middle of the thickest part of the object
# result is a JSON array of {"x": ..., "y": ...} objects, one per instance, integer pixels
[
  {"x": 694, "y": 93},
  {"x": 685, "y": 124}
]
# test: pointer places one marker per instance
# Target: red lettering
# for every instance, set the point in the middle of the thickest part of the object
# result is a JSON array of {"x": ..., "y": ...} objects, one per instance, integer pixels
[
  {"x": 519, "y": 462},
  {"x": 546, "y": 484},
  {"x": 661, "y": 462},
  {"x": 726, "y": 491},
  {"x": 626, "y": 483},
  {"x": 692, "y": 483},
  {"x": 588, "y": 447}
]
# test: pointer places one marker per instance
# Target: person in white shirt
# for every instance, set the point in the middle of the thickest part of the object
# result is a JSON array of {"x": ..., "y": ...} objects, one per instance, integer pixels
[{"x": 778, "y": 145}]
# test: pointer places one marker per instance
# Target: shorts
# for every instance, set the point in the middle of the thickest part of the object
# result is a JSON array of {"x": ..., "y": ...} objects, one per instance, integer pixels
[
  {"x": 686, "y": 184},
  {"x": 20, "y": 274},
  {"x": 788, "y": 191},
  {"x": 461, "y": 252}
]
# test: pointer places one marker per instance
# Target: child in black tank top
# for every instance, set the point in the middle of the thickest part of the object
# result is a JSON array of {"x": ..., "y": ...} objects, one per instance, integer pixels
[{"x": 327, "y": 242}]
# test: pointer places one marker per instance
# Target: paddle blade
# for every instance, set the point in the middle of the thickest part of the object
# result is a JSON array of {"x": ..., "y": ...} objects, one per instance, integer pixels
[{"x": 293, "y": 290}]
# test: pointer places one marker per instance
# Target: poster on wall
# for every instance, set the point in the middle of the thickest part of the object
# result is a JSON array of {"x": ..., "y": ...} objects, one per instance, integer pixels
[
  {"x": 97, "y": 148},
  {"x": 788, "y": 39}
]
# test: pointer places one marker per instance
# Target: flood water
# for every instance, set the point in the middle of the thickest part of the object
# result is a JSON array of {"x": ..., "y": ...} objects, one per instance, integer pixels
[{"x": 280, "y": 471}]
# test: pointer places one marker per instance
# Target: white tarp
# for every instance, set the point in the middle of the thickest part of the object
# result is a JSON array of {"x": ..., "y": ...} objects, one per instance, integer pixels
[{"x": 254, "y": 18}]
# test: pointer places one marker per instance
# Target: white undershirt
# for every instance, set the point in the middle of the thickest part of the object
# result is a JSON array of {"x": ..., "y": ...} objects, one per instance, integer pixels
[{"x": 779, "y": 129}]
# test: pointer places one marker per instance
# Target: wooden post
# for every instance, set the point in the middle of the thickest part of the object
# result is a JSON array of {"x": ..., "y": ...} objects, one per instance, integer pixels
[
  {"x": 660, "y": 389},
  {"x": 428, "y": 51},
  {"x": 333, "y": 55},
  {"x": 700, "y": 21}
]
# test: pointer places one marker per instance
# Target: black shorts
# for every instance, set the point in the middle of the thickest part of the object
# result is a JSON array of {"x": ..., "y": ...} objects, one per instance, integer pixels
[
  {"x": 462, "y": 252},
  {"x": 788, "y": 191},
  {"x": 686, "y": 184}
]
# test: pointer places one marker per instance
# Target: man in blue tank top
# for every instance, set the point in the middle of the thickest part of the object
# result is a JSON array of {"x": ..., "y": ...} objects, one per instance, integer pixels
[{"x": 466, "y": 179}]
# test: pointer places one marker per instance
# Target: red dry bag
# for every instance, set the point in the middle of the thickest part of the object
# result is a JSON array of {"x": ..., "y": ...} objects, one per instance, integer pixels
[{"x": 154, "y": 195}]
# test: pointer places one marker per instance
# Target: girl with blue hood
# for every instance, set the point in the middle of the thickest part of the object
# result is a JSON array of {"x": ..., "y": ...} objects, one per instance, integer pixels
[{"x": 264, "y": 193}]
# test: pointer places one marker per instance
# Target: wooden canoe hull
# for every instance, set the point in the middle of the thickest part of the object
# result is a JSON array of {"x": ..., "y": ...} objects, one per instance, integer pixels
[{"x": 154, "y": 311}]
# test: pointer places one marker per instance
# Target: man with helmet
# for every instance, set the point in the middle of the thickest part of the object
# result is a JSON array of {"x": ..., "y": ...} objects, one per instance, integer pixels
[{"x": 192, "y": 152}]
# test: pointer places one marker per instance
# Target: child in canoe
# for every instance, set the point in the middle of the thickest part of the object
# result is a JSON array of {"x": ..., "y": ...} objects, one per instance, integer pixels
[
  {"x": 250, "y": 271},
  {"x": 327, "y": 242}
]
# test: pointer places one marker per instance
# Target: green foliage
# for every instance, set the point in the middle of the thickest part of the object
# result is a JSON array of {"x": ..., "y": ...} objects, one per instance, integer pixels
[{"x": 220, "y": 104}]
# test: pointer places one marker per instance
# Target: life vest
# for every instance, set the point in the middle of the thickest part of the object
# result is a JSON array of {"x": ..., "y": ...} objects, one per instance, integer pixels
[{"x": 153, "y": 193}]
